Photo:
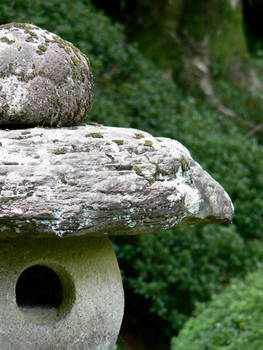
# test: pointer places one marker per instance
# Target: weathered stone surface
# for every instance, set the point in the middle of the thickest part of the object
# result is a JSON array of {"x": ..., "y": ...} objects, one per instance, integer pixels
[
  {"x": 91, "y": 311},
  {"x": 44, "y": 80},
  {"x": 102, "y": 180}
]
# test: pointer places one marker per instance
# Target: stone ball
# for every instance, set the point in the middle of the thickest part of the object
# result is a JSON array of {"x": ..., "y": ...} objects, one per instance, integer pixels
[{"x": 44, "y": 80}]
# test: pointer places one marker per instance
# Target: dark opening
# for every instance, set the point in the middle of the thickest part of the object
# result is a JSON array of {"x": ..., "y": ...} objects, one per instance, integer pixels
[{"x": 39, "y": 286}]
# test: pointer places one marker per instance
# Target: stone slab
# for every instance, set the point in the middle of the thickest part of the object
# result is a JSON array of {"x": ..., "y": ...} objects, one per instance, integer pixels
[{"x": 102, "y": 180}]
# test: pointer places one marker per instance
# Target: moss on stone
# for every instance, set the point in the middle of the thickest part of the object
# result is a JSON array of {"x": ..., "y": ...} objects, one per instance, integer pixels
[
  {"x": 75, "y": 60},
  {"x": 95, "y": 135},
  {"x": 148, "y": 143},
  {"x": 139, "y": 136},
  {"x": 30, "y": 39},
  {"x": 28, "y": 28},
  {"x": 159, "y": 172},
  {"x": 4, "y": 39},
  {"x": 51, "y": 98},
  {"x": 63, "y": 179},
  {"x": 60, "y": 151},
  {"x": 67, "y": 49},
  {"x": 139, "y": 172},
  {"x": 118, "y": 142},
  {"x": 41, "y": 49},
  {"x": 67, "y": 46},
  {"x": 185, "y": 165},
  {"x": 59, "y": 41},
  {"x": 24, "y": 26},
  {"x": 10, "y": 163},
  {"x": 156, "y": 176},
  {"x": 74, "y": 77},
  {"x": 33, "y": 34}
]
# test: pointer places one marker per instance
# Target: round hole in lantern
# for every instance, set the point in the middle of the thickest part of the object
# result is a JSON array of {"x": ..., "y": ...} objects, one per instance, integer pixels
[{"x": 43, "y": 293}]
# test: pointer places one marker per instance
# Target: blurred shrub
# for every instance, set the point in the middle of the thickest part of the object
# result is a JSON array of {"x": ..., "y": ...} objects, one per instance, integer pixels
[
  {"x": 177, "y": 268},
  {"x": 231, "y": 159},
  {"x": 232, "y": 321}
]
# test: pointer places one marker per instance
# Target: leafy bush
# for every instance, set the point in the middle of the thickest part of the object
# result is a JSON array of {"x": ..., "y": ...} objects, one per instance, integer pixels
[
  {"x": 177, "y": 268},
  {"x": 231, "y": 159},
  {"x": 232, "y": 321}
]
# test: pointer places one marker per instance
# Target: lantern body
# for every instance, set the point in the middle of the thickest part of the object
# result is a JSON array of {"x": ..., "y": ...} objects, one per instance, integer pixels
[{"x": 59, "y": 294}]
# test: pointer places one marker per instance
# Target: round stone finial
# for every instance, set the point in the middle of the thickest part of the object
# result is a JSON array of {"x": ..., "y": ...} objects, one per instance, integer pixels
[{"x": 44, "y": 80}]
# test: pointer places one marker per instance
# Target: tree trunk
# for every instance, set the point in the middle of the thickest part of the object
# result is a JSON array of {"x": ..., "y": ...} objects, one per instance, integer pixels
[
  {"x": 212, "y": 43},
  {"x": 196, "y": 42},
  {"x": 199, "y": 40}
]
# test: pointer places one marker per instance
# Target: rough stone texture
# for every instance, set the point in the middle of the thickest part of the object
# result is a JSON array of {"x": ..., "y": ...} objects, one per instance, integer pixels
[
  {"x": 101, "y": 180},
  {"x": 44, "y": 80},
  {"x": 92, "y": 309}
]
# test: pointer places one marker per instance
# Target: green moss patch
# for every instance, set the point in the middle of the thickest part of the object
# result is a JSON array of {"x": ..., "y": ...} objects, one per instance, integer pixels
[
  {"x": 139, "y": 172},
  {"x": 95, "y": 135},
  {"x": 10, "y": 163},
  {"x": 118, "y": 142},
  {"x": 60, "y": 151},
  {"x": 6, "y": 40},
  {"x": 41, "y": 49},
  {"x": 148, "y": 143},
  {"x": 74, "y": 60},
  {"x": 185, "y": 165},
  {"x": 139, "y": 136}
]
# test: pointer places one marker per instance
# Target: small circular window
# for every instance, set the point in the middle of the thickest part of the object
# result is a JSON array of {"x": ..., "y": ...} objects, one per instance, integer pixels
[{"x": 44, "y": 294}]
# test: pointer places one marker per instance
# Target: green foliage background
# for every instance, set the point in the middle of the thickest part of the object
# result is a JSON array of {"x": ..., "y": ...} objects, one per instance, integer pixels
[
  {"x": 232, "y": 321},
  {"x": 175, "y": 269}
]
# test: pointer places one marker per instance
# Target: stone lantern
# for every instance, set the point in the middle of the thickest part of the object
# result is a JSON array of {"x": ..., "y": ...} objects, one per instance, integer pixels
[{"x": 64, "y": 187}]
